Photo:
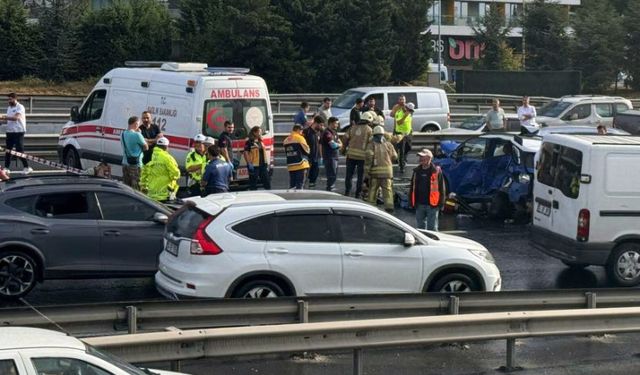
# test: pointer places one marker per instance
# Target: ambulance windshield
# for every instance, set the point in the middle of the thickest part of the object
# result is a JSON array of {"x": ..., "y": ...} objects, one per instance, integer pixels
[{"x": 244, "y": 113}]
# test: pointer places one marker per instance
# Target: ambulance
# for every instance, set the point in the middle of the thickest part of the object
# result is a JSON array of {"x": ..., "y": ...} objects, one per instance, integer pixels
[{"x": 184, "y": 99}]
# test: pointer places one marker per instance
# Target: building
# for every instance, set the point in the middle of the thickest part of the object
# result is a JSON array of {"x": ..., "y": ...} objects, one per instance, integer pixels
[{"x": 457, "y": 44}]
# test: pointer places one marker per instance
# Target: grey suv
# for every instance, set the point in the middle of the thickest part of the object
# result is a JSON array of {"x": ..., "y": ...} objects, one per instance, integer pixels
[{"x": 63, "y": 226}]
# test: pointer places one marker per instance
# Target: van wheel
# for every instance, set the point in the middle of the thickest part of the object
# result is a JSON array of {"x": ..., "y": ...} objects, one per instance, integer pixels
[
  {"x": 429, "y": 129},
  {"x": 623, "y": 267},
  {"x": 17, "y": 274},
  {"x": 71, "y": 158},
  {"x": 500, "y": 207},
  {"x": 259, "y": 289}
]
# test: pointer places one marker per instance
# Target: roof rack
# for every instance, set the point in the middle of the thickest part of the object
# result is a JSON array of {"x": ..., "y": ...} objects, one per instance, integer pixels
[
  {"x": 144, "y": 64},
  {"x": 229, "y": 70}
]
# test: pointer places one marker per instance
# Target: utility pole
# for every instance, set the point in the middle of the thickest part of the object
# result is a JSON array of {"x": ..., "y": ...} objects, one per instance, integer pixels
[
  {"x": 439, "y": 40},
  {"x": 524, "y": 50}
]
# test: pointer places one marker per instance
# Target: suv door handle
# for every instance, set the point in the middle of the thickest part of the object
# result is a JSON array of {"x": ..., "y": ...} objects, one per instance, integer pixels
[
  {"x": 278, "y": 250},
  {"x": 40, "y": 231},
  {"x": 354, "y": 253},
  {"x": 114, "y": 233}
]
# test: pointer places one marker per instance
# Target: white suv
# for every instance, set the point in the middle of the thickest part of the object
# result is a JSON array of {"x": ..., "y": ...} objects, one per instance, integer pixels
[
  {"x": 582, "y": 110},
  {"x": 280, "y": 243}
]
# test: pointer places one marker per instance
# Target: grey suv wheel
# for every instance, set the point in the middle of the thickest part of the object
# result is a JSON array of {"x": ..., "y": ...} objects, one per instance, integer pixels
[{"x": 17, "y": 274}]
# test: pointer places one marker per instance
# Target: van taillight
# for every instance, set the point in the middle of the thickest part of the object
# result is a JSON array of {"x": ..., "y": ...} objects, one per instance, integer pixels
[
  {"x": 583, "y": 225},
  {"x": 202, "y": 244}
]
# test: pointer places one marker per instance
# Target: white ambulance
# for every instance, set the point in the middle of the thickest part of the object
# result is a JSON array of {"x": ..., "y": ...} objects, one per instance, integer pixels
[{"x": 184, "y": 99}]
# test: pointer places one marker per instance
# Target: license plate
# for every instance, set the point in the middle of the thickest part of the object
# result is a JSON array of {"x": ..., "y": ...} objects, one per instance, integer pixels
[
  {"x": 242, "y": 174},
  {"x": 545, "y": 210},
  {"x": 171, "y": 248}
]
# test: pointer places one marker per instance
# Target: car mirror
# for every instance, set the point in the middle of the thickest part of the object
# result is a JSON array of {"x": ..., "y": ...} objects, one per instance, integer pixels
[
  {"x": 74, "y": 113},
  {"x": 161, "y": 218},
  {"x": 409, "y": 240}
]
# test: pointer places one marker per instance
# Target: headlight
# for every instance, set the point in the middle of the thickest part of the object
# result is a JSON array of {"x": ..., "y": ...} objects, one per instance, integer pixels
[
  {"x": 507, "y": 182},
  {"x": 524, "y": 178},
  {"x": 483, "y": 254}
]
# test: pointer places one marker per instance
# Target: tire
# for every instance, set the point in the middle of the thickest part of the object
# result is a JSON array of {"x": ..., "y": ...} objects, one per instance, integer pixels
[
  {"x": 575, "y": 265},
  {"x": 259, "y": 289},
  {"x": 18, "y": 274},
  {"x": 623, "y": 267},
  {"x": 454, "y": 283},
  {"x": 500, "y": 207},
  {"x": 71, "y": 158},
  {"x": 429, "y": 129}
]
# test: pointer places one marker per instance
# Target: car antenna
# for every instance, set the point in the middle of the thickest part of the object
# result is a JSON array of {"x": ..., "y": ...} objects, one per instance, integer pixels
[{"x": 45, "y": 317}]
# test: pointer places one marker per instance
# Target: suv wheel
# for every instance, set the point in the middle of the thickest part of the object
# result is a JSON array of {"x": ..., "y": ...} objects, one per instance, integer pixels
[
  {"x": 454, "y": 283},
  {"x": 259, "y": 289},
  {"x": 429, "y": 129},
  {"x": 17, "y": 274},
  {"x": 624, "y": 264},
  {"x": 71, "y": 158}
]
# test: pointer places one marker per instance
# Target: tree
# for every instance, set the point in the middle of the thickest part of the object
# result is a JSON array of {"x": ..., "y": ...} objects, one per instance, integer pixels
[
  {"x": 409, "y": 23},
  {"x": 17, "y": 52},
  {"x": 545, "y": 31},
  {"x": 492, "y": 31},
  {"x": 597, "y": 47},
  {"x": 632, "y": 40}
]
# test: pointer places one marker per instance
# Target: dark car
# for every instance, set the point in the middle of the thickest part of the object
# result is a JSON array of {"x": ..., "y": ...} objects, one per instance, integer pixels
[
  {"x": 493, "y": 169},
  {"x": 63, "y": 226}
]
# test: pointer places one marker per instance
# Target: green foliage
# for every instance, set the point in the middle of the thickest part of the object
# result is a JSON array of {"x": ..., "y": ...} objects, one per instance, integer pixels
[
  {"x": 547, "y": 42},
  {"x": 492, "y": 31},
  {"x": 409, "y": 21},
  {"x": 631, "y": 27},
  {"x": 597, "y": 47},
  {"x": 18, "y": 55}
]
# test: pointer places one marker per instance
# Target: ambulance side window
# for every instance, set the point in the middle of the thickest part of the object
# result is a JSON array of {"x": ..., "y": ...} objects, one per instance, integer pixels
[{"x": 92, "y": 108}]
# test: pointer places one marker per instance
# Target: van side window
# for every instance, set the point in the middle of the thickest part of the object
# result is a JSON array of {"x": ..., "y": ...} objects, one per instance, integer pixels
[
  {"x": 379, "y": 100},
  {"x": 578, "y": 112},
  {"x": 569, "y": 170},
  {"x": 92, "y": 108},
  {"x": 431, "y": 100}
]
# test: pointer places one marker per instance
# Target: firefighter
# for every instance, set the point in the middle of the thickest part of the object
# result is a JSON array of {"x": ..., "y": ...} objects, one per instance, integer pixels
[
  {"x": 355, "y": 144},
  {"x": 380, "y": 156},
  {"x": 159, "y": 179},
  {"x": 297, "y": 152},
  {"x": 195, "y": 163}
]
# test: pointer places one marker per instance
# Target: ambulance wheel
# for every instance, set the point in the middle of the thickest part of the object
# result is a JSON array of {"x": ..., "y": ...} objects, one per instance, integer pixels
[{"x": 71, "y": 158}]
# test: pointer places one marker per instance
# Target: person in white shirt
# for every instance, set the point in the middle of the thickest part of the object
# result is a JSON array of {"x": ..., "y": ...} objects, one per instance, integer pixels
[
  {"x": 16, "y": 127},
  {"x": 527, "y": 113}
]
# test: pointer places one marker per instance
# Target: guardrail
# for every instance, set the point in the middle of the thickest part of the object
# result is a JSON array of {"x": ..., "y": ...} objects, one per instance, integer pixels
[
  {"x": 149, "y": 316},
  {"x": 176, "y": 345}
]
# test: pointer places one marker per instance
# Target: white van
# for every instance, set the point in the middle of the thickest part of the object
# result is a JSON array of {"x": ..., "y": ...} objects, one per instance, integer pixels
[
  {"x": 587, "y": 203},
  {"x": 431, "y": 112},
  {"x": 184, "y": 99}
]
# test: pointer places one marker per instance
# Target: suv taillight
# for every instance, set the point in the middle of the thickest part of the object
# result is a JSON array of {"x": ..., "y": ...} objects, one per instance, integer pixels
[
  {"x": 583, "y": 225},
  {"x": 202, "y": 244}
]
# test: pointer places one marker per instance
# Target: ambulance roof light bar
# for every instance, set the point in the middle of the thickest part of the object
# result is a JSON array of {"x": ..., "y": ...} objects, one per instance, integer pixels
[{"x": 227, "y": 70}]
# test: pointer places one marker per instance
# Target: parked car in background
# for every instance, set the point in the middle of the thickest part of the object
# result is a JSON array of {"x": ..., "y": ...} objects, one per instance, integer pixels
[
  {"x": 431, "y": 105},
  {"x": 280, "y": 243},
  {"x": 576, "y": 129},
  {"x": 494, "y": 170},
  {"x": 582, "y": 110},
  {"x": 34, "y": 351},
  {"x": 628, "y": 121},
  {"x": 68, "y": 226},
  {"x": 477, "y": 124}
]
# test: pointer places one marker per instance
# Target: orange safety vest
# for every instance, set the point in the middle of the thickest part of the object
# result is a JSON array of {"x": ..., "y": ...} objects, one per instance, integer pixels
[{"x": 434, "y": 189}]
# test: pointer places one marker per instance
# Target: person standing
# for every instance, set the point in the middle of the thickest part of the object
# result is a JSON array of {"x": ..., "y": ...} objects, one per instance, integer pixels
[
  {"x": 159, "y": 179},
  {"x": 312, "y": 135},
  {"x": 371, "y": 106},
  {"x": 297, "y": 152},
  {"x": 403, "y": 121},
  {"x": 225, "y": 142},
  {"x": 426, "y": 192},
  {"x": 331, "y": 144},
  {"x": 379, "y": 168},
  {"x": 300, "y": 117},
  {"x": 217, "y": 173},
  {"x": 133, "y": 144},
  {"x": 195, "y": 163},
  {"x": 324, "y": 110},
  {"x": 354, "y": 115},
  {"x": 16, "y": 127},
  {"x": 151, "y": 133},
  {"x": 527, "y": 113},
  {"x": 495, "y": 119},
  {"x": 255, "y": 155},
  {"x": 356, "y": 141}
]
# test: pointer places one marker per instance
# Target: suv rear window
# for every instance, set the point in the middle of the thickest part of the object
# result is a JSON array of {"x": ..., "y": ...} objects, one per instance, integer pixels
[{"x": 184, "y": 222}]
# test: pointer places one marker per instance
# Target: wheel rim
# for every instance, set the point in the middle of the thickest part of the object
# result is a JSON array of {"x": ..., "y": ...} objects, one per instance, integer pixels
[
  {"x": 16, "y": 275},
  {"x": 71, "y": 159},
  {"x": 260, "y": 292},
  {"x": 455, "y": 286},
  {"x": 628, "y": 265}
]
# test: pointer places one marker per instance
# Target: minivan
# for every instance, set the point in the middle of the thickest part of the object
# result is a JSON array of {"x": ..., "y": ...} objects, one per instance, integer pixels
[
  {"x": 582, "y": 110},
  {"x": 587, "y": 203},
  {"x": 431, "y": 111}
]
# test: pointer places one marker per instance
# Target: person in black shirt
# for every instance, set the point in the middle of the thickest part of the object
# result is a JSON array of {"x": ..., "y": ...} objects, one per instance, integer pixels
[
  {"x": 371, "y": 106},
  {"x": 151, "y": 133},
  {"x": 331, "y": 145},
  {"x": 225, "y": 142},
  {"x": 312, "y": 136},
  {"x": 354, "y": 115}
]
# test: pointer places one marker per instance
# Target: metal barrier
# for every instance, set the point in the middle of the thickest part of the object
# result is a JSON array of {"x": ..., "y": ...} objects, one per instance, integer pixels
[{"x": 176, "y": 345}]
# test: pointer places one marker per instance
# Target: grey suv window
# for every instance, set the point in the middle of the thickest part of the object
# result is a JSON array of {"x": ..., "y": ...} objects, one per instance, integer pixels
[
  {"x": 24, "y": 204},
  {"x": 302, "y": 227},
  {"x": 364, "y": 229},
  {"x": 259, "y": 228},
  {"x": 64, "y": 206},
  {"x": 124, "y": 208}
]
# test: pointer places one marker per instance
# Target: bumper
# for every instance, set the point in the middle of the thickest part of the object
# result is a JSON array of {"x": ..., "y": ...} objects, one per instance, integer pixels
[
  {"x": 492, "y": 280},
  {"x": 570, "y": 250},
  {"x": 180, "y": 280}
]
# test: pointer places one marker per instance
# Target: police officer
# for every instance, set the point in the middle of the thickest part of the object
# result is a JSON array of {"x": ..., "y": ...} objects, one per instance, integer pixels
[
  {"x": 159, "y": 179},
  {"x": 195, "y": 163},
  {"x": 355, "y": 144},
  {"x": 379, "y": 168},
  {"x": 297, "y": 151}
]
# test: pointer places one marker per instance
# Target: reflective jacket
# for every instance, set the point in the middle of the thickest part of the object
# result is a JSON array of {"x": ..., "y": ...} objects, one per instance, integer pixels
[
  {"x": 194, "y": 158},
  {"x": 380, "y": 158},
  {"x": 403, "y": 121},
  {"x": 356, "y": 141},
  {"x": 435, "y": 184},
  {"x": 160, "y": 176},
  {"x": 297, "y": 152}
]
